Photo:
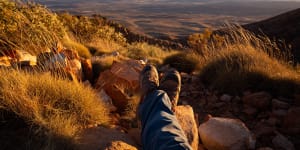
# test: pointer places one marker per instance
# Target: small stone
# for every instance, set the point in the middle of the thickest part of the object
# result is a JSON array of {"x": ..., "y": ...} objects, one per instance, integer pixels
[
  {"x": 291, "y": 121},
  {"x": 250, "y": 111},
  {"x": 297, "y": 100},
  {"x": 259, "y": 100},
  {"x": 277, "y": 104},
  {"x": 279, "y": 113},
  {"x": 183, "y": 94},
  {"x": 272, "y": 121},
  {"x": 225, "y": 98},
  {"x": 184, "y": 103},
  {"x": 218, "y": 105},
  {"x": 263, "y": 129},
  {"x": 281, "y": 142},
  {"x": 265, "y": 148}
]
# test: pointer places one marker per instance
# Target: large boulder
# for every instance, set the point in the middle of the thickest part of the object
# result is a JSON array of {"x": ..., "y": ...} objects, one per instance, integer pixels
[
  {"x": 186, "y": 118},
  {"x": 260, "y": 100},
  {"x": 121, "y": 82},
  {"x": 226, "y": 134}
]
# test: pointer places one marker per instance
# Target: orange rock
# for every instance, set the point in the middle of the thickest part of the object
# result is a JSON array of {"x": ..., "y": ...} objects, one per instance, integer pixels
[
  {"x": 121, "y": 82},
  {"x": 120, "y": 145},
  {"x": 186, "y": 118}
]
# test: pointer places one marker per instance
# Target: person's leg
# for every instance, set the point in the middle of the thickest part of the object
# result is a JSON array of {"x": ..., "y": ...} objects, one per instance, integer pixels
[{"x": 160, "y": 128}]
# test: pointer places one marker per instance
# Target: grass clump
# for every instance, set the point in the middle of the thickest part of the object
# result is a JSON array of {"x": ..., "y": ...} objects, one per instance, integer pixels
[
  {"x": 183, "y": 62},
  {"x": 53, "y": 110},
  {"x": 28, "y": 27},
  {"x": 81, "y": 49},
  {"x": 247, "y": 62},
  {"x": 144, "y": 51}
]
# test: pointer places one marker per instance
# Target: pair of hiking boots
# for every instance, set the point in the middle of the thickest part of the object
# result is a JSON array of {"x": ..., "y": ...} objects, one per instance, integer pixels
[{"x": 170, "y": 83}]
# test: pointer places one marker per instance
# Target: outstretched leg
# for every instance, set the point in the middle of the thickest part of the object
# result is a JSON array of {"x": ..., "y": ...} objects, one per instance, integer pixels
[{"x": 160, "y": 128}]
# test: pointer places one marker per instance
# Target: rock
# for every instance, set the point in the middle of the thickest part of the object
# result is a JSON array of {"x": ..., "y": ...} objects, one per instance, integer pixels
[
  {"x": 226, "y": 98},
  {"x": 106, "y": 100},
  {"x": 226, "y": 134},
  {"x": 135, "y": 134},
  {"x": 250, "y": 111},
  {"x": 120, "y": 145},
  {"x": 74, "y": 67},
  {"x": 100, "y": 138},
  {"x": 291, "y": 121},
  {"x": 279, "y": 113},
  {"x": 281, "y": 142},
  {"x": 297, "y": 100},
  {"x": 183, "y": 94},
  {"x": 277, "y": 104},
  {"x": 121, "y": 82},
  {"x": 5, "y": 61},
  {"x": 186, "y": 118},
  {"x": 265, "y": 148},
  {"x": 87, "y": 69},
  {"x": 259, "y": 100},
  {"x": 272, "y": 121},
  {"x": 262, "y": 129}
]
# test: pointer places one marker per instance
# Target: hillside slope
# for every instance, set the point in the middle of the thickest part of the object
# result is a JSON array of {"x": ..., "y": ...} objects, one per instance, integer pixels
[{"x": 282, "y": 27}]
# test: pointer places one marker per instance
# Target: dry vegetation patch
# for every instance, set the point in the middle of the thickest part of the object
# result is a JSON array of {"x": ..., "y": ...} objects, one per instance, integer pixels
[
  {"x": 54, "y": 108},
  {"x": 242, "y": 61}
]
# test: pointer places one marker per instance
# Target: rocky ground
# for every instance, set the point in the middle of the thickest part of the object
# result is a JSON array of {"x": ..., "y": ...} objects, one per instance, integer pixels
[
  {"x": 252, "y": 120},
  {"x": 211, "y": 120}
]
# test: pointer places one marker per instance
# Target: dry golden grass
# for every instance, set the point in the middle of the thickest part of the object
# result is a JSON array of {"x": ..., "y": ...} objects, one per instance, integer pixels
[
  {"x": 81, "y": 49},
  {"x": 243, "y": 61},
  {"x": 144, "y": 51},
  {"x": 28, "y": 27},
  {"x": 55, "y": 107}
]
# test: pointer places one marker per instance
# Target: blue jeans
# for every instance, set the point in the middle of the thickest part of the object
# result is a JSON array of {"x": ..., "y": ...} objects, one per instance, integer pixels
[{"x": 160, "y": 128}]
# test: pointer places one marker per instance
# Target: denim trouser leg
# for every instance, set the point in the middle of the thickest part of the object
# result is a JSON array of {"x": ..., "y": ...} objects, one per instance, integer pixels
[{"x": 160, "y": 128}]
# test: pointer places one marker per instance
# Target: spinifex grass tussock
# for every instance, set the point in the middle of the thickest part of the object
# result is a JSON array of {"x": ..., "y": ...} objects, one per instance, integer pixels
[
  {"x": 28, "y": 27},
  {"x": 53, "y": 108},
  {"x": 144, "y": 51},
  {"x": 81, "y": 49},
  {"x": 243, "y": 61}
]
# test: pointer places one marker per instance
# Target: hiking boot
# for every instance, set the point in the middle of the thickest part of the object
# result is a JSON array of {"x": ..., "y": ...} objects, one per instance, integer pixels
[
  {"x": 171, "y": 84},
  {"x": 148, "y": 80}
]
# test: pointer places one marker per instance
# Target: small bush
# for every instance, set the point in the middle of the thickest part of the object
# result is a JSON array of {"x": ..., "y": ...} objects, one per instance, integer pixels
[
  {"x": 183, "y": 62},
  {"x": 247, "y": 62},
  {"x": 144, "y": 51},
  {"x": 81, "y": 49}
]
